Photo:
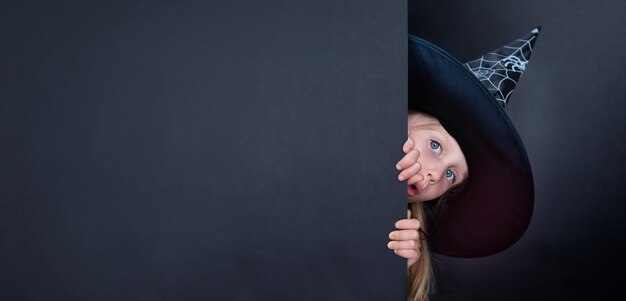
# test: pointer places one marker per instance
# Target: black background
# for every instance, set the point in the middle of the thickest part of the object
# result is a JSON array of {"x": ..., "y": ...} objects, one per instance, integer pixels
[{"x": 570, "y": 112}]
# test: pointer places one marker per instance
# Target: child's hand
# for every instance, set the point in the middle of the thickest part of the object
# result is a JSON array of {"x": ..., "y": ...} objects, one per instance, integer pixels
[
  {"x": 408, "y": 164},
  {"x": 406, "y": 242}
]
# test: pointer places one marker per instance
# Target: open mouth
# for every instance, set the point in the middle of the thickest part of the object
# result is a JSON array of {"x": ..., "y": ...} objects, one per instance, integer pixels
[{"x": 411, "y": 190}]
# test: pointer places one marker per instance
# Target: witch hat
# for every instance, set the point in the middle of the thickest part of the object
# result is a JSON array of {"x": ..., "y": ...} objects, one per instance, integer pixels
[
  {"x": 500, "y": 70},
  {"x": 493, "y": 208}
]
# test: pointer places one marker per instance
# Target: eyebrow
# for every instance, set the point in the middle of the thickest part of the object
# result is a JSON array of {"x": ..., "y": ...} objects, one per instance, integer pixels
[
  {"x": 464, "y": 176},
  {"x": 458, "y": 183},
  {"x": 447, "y": 143}
]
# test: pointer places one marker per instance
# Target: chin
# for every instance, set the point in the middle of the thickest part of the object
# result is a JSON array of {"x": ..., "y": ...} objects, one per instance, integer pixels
[
  {"x": 417, "y": 198},
  {"x": 414, "y": 199}
]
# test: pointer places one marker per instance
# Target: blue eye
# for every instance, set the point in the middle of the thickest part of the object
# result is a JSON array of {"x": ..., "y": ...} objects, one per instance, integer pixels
[
  {"x": 450, "y": 175},
  {"x": 435, "y": 146}
]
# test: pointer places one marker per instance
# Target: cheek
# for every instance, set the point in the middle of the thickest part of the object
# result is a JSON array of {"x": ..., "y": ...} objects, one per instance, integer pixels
[
  {"x": 419, "y": 141},
  {"x": 426, "y": 153}
]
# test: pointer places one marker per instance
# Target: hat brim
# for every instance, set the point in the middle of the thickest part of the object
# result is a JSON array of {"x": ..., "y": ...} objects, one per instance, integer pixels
[{"x": 494, "y": 208}]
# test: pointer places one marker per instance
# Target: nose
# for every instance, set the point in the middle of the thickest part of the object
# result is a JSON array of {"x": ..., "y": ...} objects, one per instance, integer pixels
[
  {"x": 434, "y": 176},
  {"x": 432, "y": 172}
]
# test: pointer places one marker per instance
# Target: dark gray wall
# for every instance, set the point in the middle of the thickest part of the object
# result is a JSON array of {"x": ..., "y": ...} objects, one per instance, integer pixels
[
  {"x": 569, "y": 109},
  {"x": 206, "y": 150}
]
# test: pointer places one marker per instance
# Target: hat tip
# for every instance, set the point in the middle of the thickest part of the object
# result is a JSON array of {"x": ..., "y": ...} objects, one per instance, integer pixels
[{"x": 537, "y": 29}]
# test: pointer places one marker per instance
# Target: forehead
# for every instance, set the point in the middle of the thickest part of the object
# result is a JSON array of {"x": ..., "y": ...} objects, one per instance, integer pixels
[
  {"x": 419, "y": 118},
  {"x": 422, "y": 121}
]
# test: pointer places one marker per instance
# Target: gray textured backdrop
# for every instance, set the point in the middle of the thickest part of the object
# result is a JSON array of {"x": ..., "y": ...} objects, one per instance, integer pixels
[{"x": 201, "y": 150}]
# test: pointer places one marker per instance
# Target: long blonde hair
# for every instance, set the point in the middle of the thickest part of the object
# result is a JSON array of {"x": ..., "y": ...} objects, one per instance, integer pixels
[{"x": 420, "y": 274}]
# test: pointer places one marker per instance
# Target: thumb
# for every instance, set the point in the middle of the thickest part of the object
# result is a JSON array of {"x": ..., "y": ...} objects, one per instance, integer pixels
[{"x": 408, "y": 213}]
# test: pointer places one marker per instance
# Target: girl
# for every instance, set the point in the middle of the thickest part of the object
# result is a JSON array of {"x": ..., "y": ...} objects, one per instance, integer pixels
[{"x": 462, "y": 152}]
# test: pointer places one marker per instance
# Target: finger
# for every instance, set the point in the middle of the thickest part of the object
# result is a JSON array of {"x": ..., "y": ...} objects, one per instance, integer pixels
[
  {"x": 408, "y": 213},
  {"x": 407, "y": 253},
  {"x": 408, "y": 145},
  {"x": 409, "y": 159},
  {"x": 411, "y": 171},
  {"x": 408, "y": 224},
  {"x": 404, "y": 244},
  {"x": 414, "y": 179},
  {"x": 404, "y": 235}
]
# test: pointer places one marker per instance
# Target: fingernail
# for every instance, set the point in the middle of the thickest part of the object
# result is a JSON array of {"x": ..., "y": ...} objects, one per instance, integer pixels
[
  {"x": 401, "y": 178},
  {"x": 398, "y": 167}
]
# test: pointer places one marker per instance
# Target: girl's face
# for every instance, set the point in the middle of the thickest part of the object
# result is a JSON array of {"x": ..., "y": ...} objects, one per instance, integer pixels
[{"x": 443, "y": 162}]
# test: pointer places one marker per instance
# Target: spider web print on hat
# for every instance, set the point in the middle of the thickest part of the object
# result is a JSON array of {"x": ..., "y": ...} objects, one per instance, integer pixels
[{"x": 500, "y": 70}]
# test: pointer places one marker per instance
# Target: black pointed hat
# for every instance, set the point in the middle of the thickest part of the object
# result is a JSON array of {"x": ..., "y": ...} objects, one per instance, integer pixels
[
  {"x": 500, "y": 70},
  {"x": 493, "y": 208}
]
